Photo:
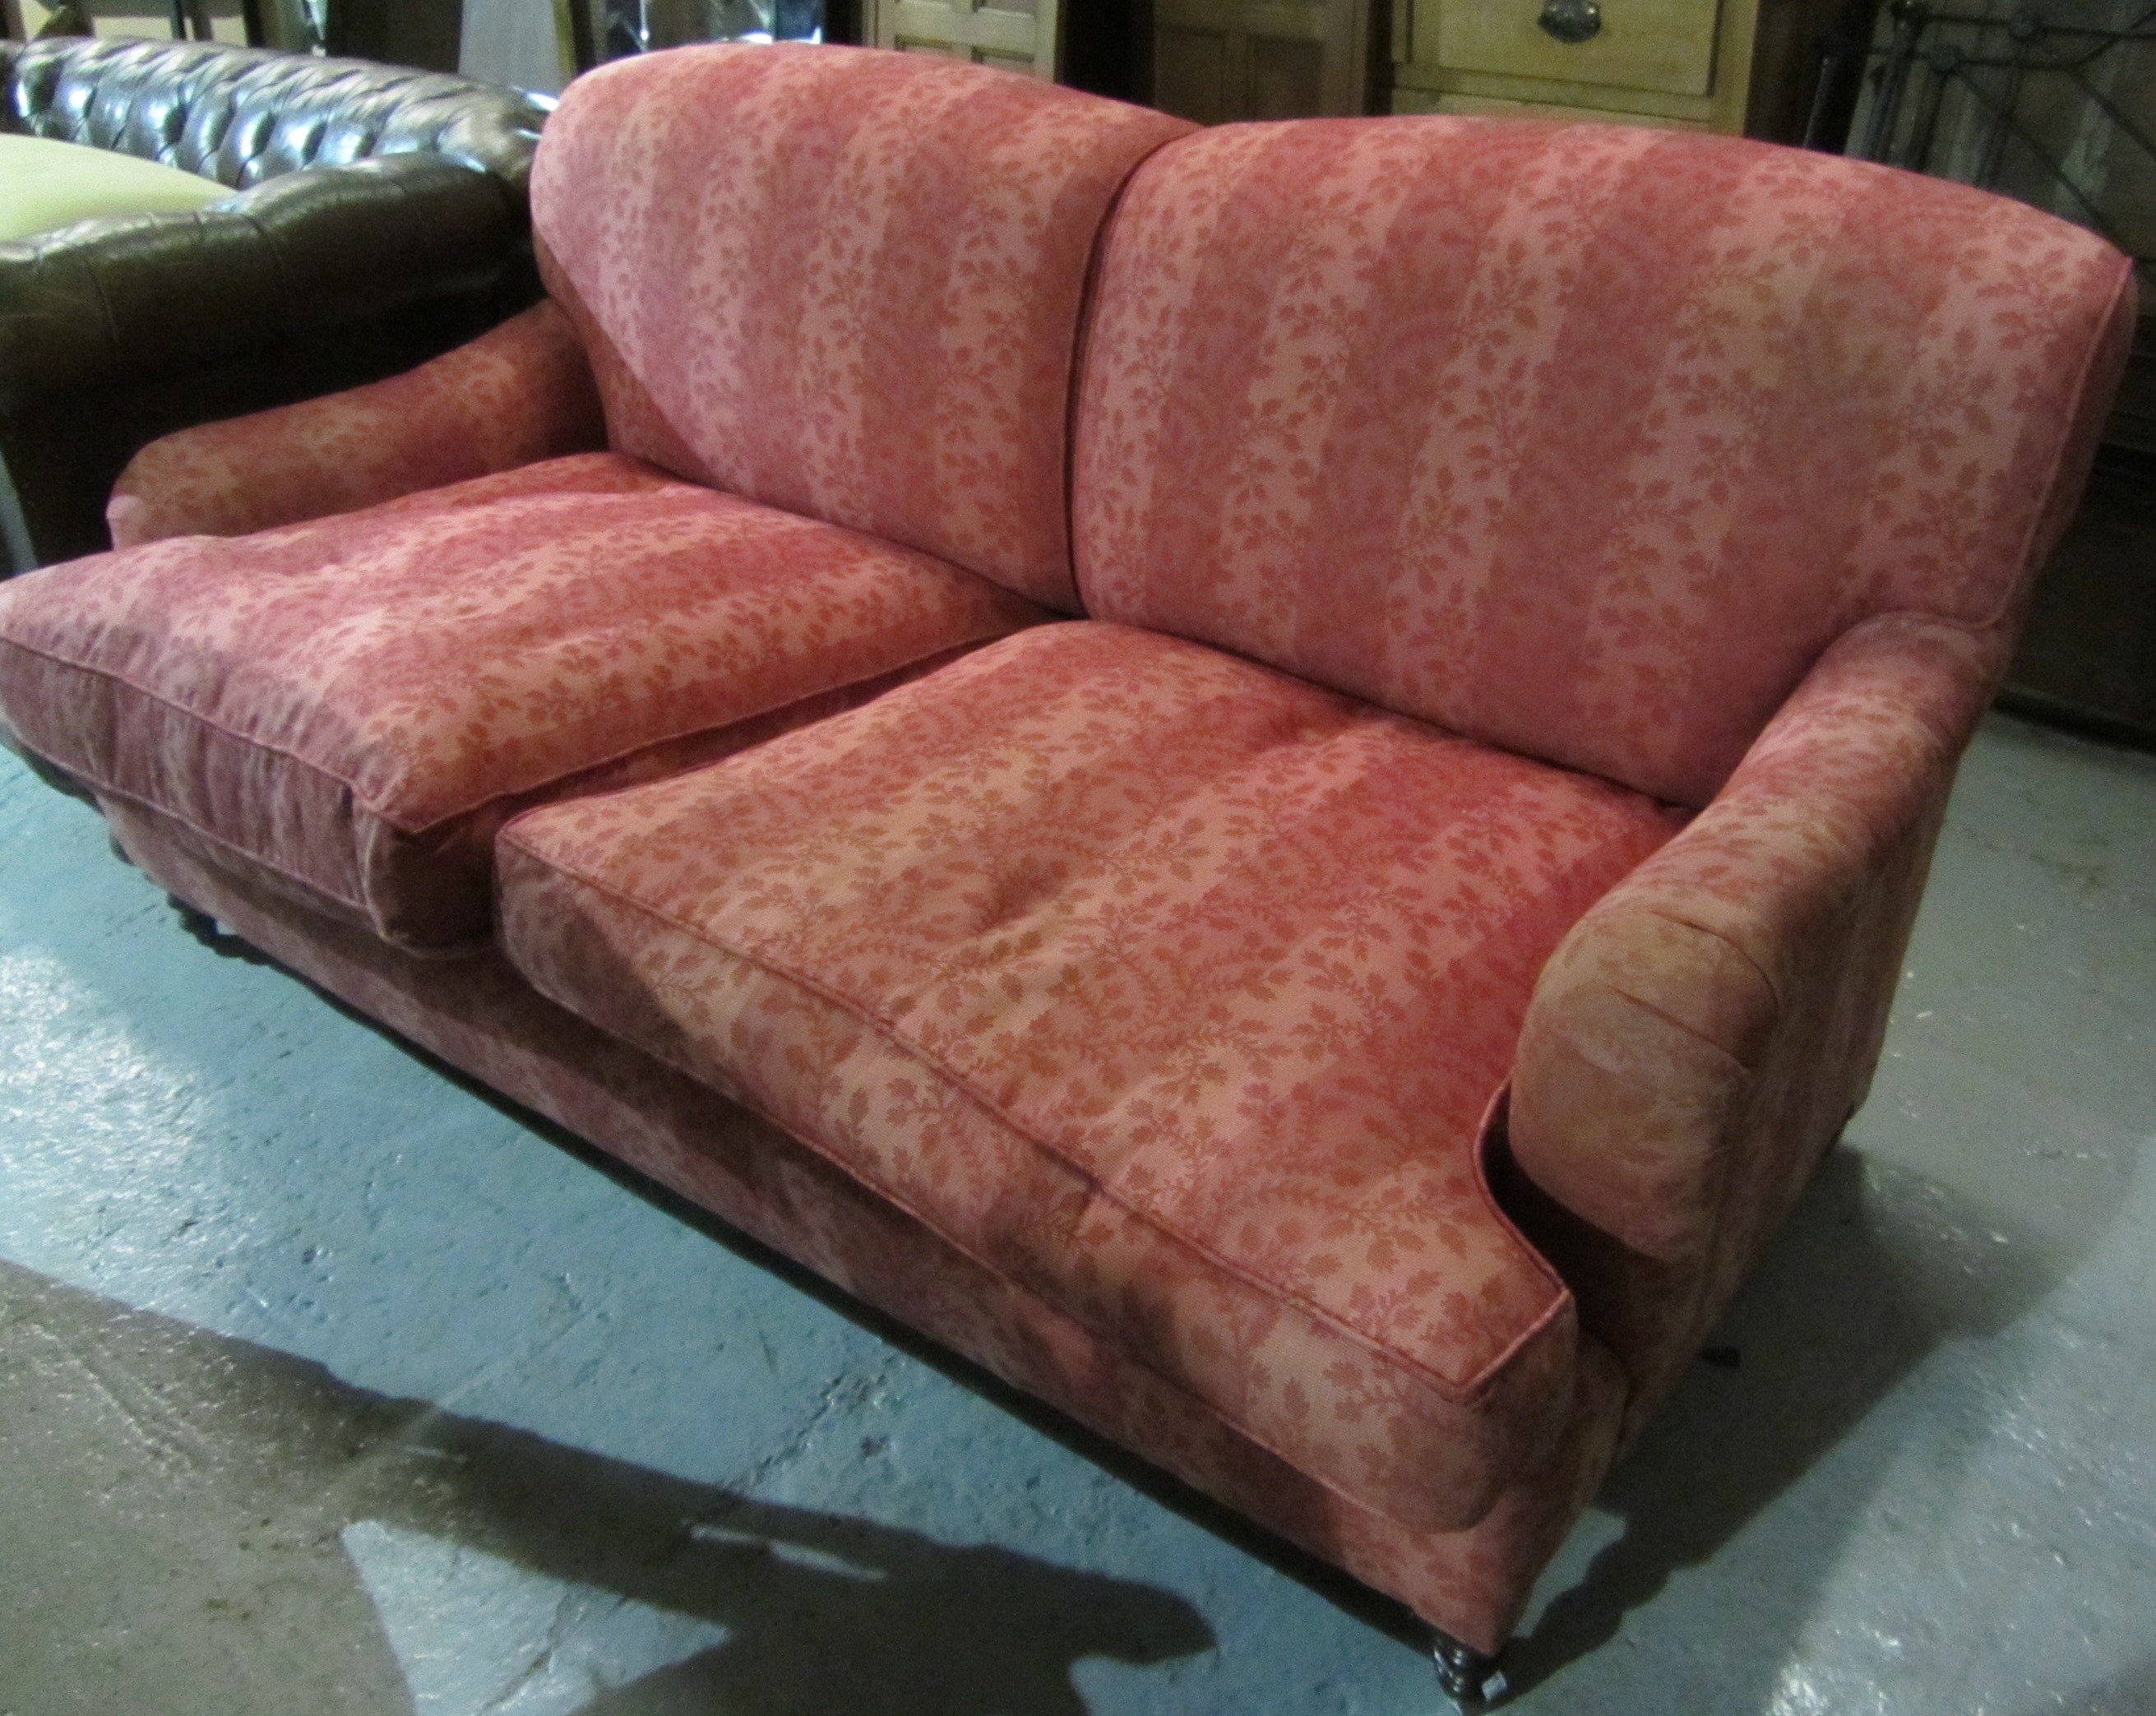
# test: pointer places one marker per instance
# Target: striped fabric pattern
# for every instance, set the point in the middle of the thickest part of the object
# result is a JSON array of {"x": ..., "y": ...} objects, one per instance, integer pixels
[
  {"x": 518, "y": 394},
  {"x": 843, "y": 283},
  {"x": 479, "y": 1016},
  {"x": 1584, "y": 441},
  {"x": 353, "y": 706},
  {"x": 1169, "y": 986}
]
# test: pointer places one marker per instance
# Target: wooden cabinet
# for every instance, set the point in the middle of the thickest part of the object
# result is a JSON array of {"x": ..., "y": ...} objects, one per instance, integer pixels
[
  {"x": 1652, "y": 62},
  {"x": 1019, "y": 35},
  {"x": 1101, "y": 45},
  {"x": 1208, "y": 60},
  {"x": 1225, "y": 59},
  {"x": 1655, "y": 62}
]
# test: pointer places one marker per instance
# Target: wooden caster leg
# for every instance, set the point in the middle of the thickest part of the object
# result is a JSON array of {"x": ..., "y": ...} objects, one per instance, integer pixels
[
  {"x": 219, "y": 941},
  {"x": 197, "y": 923},
  {"x": 1464, "y": 1672}
]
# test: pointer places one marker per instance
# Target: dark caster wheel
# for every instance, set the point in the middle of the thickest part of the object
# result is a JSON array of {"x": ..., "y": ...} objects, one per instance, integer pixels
[
  {"x": 1464, "y": 1672},
  {"x": 196, "y": 922},
  {"x": 220, "y": 941}
]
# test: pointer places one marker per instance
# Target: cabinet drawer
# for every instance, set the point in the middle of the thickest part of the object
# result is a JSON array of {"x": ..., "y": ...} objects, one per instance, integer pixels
[
  {"x": 1496, "y": 107},
  {"x": 1663, "y": 45}
]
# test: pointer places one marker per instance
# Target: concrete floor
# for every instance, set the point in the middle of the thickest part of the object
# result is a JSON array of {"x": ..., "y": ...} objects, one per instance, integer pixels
[{"x": 327, "y": 1386}]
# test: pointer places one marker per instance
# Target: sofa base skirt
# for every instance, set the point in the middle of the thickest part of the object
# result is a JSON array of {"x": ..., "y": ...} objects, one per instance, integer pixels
[{"x": 476, "y": 1014}]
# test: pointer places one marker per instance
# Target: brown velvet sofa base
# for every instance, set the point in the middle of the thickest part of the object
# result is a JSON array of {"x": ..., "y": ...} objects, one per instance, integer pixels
[{"x": 480, "y": 1017}]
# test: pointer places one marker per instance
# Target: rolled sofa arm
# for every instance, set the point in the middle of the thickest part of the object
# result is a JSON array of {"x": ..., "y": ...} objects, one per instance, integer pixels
[
  {"x": 1705, "y": 1031},
  {"x": 115, "y": 331},
  {"x": 520, "y": 392}
]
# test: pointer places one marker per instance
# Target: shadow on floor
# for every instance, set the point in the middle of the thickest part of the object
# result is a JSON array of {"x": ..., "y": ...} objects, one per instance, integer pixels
[
  {"x": 128, "y": 943},
  {"x": 2130, "y": 1693},
  {"x": 1875, "y": 1270},
  {"x": 176, "y": 1504}
]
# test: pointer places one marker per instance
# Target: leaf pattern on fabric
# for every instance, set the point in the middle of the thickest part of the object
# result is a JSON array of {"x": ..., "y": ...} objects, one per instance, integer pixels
[
  {"x": 357, "y": 703},
  {"x": 1172, "y": 986},
  {"x": 842, "y": 282},
  {"x": 1582, "y": 440}
]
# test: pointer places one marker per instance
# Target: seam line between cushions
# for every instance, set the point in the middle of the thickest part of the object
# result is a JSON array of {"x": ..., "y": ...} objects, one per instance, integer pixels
[
  {"x": 970, "y": 640},
  {"x": 1081, "y": 346},
  {"x": 467, "y": 808},
  {"x": 1480, "y": 1383}
]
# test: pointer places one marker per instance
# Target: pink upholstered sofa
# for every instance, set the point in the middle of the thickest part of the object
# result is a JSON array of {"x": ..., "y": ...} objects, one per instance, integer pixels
[{"x": 1271, "y": 779}]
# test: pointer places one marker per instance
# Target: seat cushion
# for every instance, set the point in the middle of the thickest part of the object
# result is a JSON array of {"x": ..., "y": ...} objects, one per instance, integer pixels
[
  {"x": 354, "y": 704},
  {"x": 45, "y": 184},
  {"x": 1172, "y": 988}
]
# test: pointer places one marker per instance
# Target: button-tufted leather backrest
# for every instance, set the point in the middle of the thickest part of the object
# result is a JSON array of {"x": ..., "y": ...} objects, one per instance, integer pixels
[{"x": 241, "y": 115}]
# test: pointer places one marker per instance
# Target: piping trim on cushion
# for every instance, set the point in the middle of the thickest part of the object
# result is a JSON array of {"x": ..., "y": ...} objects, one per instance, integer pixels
[
  {"x": 1446, "y": 1387},
  {"x": 269, "y": 748}
]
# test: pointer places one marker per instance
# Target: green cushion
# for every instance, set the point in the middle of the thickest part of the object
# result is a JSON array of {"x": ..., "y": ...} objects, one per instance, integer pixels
[{"x": 44, "y": 184}]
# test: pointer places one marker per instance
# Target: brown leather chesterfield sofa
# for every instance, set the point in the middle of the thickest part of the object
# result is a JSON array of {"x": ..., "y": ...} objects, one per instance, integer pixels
[
  {"x": 1271, "y": 779},
  {"x": 379, "y": 218}
]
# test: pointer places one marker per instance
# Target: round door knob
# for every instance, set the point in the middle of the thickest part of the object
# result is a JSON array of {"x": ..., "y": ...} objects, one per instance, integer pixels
[{"x": 1571, "y": 20}]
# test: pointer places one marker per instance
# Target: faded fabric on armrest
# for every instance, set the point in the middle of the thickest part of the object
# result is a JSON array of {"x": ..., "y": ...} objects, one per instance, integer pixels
[
  {"x": 520, "y": 392},
  {"x": 1702, "y": 1035}
]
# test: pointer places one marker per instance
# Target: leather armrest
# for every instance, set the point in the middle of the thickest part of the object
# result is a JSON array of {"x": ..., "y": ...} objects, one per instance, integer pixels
[
  {"x": 114, "y": 332},
  {"x": 520, "y": 392},
  {"x": 1706, "y": 1030},
  {"x": 172, "y": 292}
]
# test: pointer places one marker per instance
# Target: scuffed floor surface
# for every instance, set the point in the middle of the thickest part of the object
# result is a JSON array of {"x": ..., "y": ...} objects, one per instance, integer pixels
[{"x": 327, "y": 1386}]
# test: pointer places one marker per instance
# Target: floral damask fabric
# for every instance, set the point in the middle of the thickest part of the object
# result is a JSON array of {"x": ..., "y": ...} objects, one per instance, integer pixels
[
  {"x": 355, "y": 704},
  {"x": 478, "y": 1014},
  {"x": 1170, "y": 987},
  {"x": 1360, "y": 1119},
  {"x": 1703, "y": 1034},
  {"x": 519, "y": 394},
  {"x": 1582, "y": 440},
  {"x": 841, "y": 282}
]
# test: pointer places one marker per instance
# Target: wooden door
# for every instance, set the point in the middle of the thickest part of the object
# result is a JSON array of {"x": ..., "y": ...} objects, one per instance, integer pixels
[{"x": 1215, "y": 60}]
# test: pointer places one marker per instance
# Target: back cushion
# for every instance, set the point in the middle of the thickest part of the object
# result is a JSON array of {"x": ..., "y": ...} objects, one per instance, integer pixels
[
  {"x": 842, "y": 282},
  {"x": 1584, "y": 441}
]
